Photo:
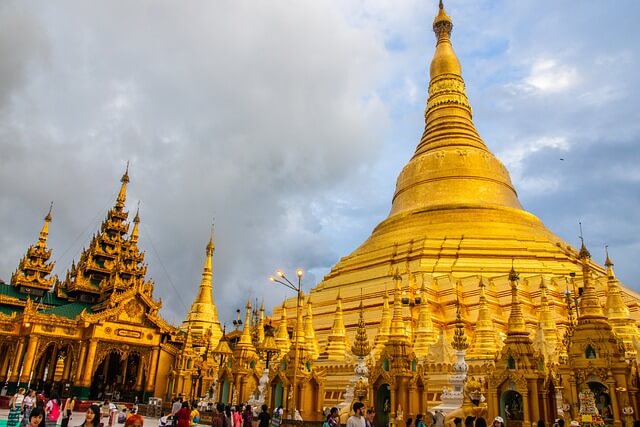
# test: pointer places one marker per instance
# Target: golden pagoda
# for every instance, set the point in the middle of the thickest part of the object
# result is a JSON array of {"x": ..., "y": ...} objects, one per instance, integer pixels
[
  {"x": 202, "y": 317},
  {"x": 455, "y": 218}
]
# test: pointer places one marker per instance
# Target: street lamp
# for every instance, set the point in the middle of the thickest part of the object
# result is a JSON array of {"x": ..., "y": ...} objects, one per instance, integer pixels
[{"x": 283, "y": 280}]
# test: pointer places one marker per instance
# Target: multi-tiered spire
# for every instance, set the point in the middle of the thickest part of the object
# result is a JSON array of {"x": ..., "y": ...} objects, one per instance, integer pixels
[
  {"x": 425, "y": 334},
  {"x": 385, "y": 326},
  {"x": 245, "y": 352},
  {"x": 337, "y": 340},
  {"x": 282, "y": 333},
  {"x": 483, "y": 344},
  {"x": 113, "y": 261},
  {"x": 309, "y": 333},
  {"x": 361, "y": 347},
  {"x": 546, "y": 340},
  {"x": 34, "y": 269},
  {"x": 203, "y": 314},
  {"x": 618, "y": 313}
]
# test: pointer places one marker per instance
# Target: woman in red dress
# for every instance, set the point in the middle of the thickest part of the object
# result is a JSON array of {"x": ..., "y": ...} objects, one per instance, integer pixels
[{"x": 184, "y": 415}]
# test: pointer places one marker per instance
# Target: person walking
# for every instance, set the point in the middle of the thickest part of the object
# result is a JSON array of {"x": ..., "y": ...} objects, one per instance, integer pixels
[
  {"x": 52, "y": 409},
  {"x": 332, "y": 418},
  {"x": 247, "y": 417},
  {"x": 183, "y": 415},
  {"x": 27, "y": 405},
  {"x": 15, "y": 408},
  {"x": 264, "y": 417},
  {"x": 357, "y": 419}
]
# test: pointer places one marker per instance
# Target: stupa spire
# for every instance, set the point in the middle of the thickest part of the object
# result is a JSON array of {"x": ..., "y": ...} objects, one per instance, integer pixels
[
  {"x": 546, "y": 324},
  {"x": 309, "y": 333},
  {"x": 245, "y": 351},
  {"x": 425, "y": 333},
  {"x": 452, "y": 164},
  {"x": 516, "y": 325},
  {"x": 337, "y": 340},
  {"x": 397, "y": 323},
  {"x": 385, "y": 325},
  {"x": 618, "y": 314},
  {"x": 203, "y": 313},
  {"x": 483, "y": 344},
  {"x": 589, "y": 305},
  {"x": 282, "y": 333}
]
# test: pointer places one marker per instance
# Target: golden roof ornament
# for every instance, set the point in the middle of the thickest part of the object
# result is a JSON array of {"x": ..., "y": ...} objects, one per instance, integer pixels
[
  {"x": 361, "y": 347},
  {"x": 589, "y": 307},
  {"x": 425, "y": 334},
  {"x": 122, "y": 195}
]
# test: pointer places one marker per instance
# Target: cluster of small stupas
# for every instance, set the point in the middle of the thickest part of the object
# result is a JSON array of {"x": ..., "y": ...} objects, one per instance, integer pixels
[{"x": 458, "y": 291}]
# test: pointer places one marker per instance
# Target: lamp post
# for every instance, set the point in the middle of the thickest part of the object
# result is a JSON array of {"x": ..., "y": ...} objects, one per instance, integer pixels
[{"x": 283, "y": 280}]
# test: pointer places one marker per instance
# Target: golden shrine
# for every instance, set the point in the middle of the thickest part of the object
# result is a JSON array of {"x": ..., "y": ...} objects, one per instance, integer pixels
[{"x": 458, "y": 283}]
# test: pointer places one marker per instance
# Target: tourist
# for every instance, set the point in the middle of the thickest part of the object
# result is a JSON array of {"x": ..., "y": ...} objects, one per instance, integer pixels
[
  {"x": 499, "y": 422},
  {"x": 194, "y": 416},
  {"x": 175, "y": 407},
  {"x": 237, "y": 416},
  {"x": 218, "y": 419},
  {"x": 407, "y": 423},
  {"x": 92, "y": 417},
  {"x": 264, "y": 417},
  {"x": 183, "y": 416},
  {"x": 134, "y": 420},
  {"x": 368, "y": 419},
  {"x": 36, "y": 416},
  {"x": 247, "y": 417},
  {"x": 457, "y": 422},
  {"x": 481, "y": 422},
  {"x": 123, "y": 415},
  {"x": 541, "y": 423},
  {"x": 15, "y": 408},
  {"x": 332, "y": 418},
  {"x": 227, "y": 416},
  {"x": 420, "y": 421},
  {"x": 469, "y": 421},
  {"x": 357, "y": 419},
  {"x": 67, "y": 410},
  {"x": 429, "y": 419},
  {"x": 52, "y": 409}
]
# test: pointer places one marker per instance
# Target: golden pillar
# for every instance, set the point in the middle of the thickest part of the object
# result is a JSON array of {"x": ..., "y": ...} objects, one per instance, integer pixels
[
  {"x": 88, "y": 366},
  {"x": 574, "y": 396},
  {"x": 17, "y": 361},
  {"x": 151, "y": 379},
  {"x": 52, "y": 362},
  {"x": 5, "y": 364},
  {"x": 525, "y": 407},
  {"x": 139, "y": 372},
  {"x": 77, "y": 375},
  {"x": 546, "y": 410},
  {"x": 125, "y": 366},
  {"x": 615, "y": 407},
  {"x": 534, "y": 399},
  {"x": 67, "y": 367},
  {"x": 29, "y": 358}
]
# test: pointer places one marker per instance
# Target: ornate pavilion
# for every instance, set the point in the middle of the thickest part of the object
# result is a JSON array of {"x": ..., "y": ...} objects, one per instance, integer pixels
[{"x": 458, "y": 268}]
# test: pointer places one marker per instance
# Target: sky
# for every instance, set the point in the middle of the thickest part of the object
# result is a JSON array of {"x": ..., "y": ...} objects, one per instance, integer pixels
[{"x": 287, "y": 122}]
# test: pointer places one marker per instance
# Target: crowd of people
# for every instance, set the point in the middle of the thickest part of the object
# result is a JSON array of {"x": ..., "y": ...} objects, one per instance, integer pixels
[
  {"x": 27, "y": 408},
  {"x": 184, "y": 414}
]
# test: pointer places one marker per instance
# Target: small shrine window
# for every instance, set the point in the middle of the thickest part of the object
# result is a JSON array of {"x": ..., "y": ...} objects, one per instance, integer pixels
[
  {"x": 308, "y": 366},
  {"x": 252, "y": 365},
  {"x": 283, "y": 365},
  {"x": 590, "y": 352},
  {"x": 385, "y": 364},
  {"x": 511, "y": 362},
  {"x": 414, "y": 365}
]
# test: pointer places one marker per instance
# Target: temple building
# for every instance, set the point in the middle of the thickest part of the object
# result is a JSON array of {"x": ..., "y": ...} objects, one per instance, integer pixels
[{"x": 98, "y": 333}]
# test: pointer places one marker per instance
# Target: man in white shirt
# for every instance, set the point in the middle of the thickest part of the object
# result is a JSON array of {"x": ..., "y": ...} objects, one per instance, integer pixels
[{"x": 357, "y": 419}]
